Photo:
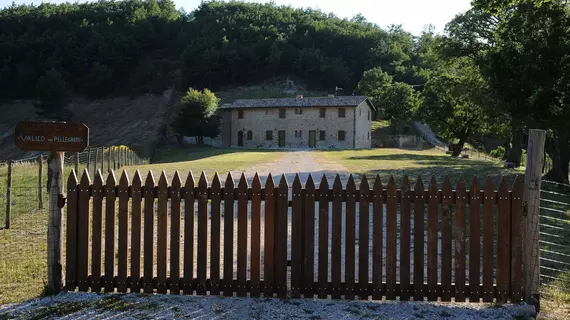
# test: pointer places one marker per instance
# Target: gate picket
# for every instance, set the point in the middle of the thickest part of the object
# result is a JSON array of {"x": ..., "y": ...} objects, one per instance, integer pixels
[
  {"x": 136, "y": 223},
  {"x": 323, "y": 237},
  {"x": 419, "y": 225},
  {"x": 363, "y": 238},
  {"x": 281, "y": 238},
  {"x": 488, "y": 249},
  {"x": 228, "y": 235},
  {"x": 83, "y": 232},
  {"x": 309, "y": 239},
  {"x": 297, "y": 239},
  {"x": 122, "y": 284},
  {"x": 188, "y": 233},
  {"x": 110, "y": 220},
  {"x": 336, "y": 235},
  {"x": 201, "y": 267},
  {"x": 97, "y": 228},
  {"x": 71, "y": 223},
  {"x": 242, "y": 237},
  {"x": 175, "y": 234},
  {"x": 215, "y": 235},
  {"x": 391, "y": 230},
  {"x": 474, "y": 241},
  {"x": 255, "y": 236},
  {"x": 433, "y": 208},
  {"x": 503, "y": 242},
  {"x": 405, "y": 287},
  {"x": 377, "y": 247},
  {"x": 162, "y": 233},
  {"x": 460, "y": 225},
  {"x": 349, "y": 244},
  {"x": 148, "y": 233},
  {"x": 269, "y": 252},
  {"x": 516, "y": 241},
  {"x": 447, "y": 203}
]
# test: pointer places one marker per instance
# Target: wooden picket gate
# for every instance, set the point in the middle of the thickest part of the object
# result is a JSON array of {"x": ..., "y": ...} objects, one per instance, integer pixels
[{"x": 483, "y": 227}]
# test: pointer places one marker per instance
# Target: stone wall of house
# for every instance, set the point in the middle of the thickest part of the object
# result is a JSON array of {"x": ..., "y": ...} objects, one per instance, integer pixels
[
  {"x": 363, "y": 117},
  {"x": 297, "y": 127}
]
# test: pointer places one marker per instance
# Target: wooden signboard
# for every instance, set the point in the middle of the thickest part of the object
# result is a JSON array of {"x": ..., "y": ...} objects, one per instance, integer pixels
[{"x": 52, "y": 136}]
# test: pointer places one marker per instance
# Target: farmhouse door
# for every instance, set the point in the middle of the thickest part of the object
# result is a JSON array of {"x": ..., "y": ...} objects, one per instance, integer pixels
[
  {"x": 281, "y": 138},
  {"x": 240, "y": 138},
  {"x": 312, "y": 139}
]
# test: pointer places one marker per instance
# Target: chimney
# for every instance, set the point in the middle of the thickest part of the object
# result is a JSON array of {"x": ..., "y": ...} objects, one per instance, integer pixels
[{"x": 299, "y": 96}]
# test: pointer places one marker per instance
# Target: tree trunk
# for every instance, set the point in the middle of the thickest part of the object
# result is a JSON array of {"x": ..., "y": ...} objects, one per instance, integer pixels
[
  {"x": 557, "y": 148},
  {"x": 458, "y": 148},
  {"x": 515, "y": 154}
]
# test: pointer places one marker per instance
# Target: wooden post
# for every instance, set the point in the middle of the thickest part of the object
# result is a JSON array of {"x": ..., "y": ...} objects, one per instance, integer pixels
[
  {"x": 77, "y": 162},
  {"x": 108, "y": 159},
  {"x": 8, "y": 194},
  {"x": 40, "y": 183},
  {"x": 531, "y": 204},
  {"x": 88, "y": 158},
  {"x": 96, "y": 162},
  {"x": 102, "y": 159},
  {"x": 55, "y": 223}
]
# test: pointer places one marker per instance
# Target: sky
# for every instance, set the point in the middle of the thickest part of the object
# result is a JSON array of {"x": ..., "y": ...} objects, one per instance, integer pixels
[{"x": 413, "y": 15}]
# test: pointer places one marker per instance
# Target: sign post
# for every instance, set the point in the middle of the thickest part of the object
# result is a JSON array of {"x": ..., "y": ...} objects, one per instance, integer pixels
[{"x": 55, "y": 137}]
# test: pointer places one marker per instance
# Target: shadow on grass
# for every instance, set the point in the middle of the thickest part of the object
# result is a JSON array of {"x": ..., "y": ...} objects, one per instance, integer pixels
[
  {"x": 181, "y": 153},
  {"x": 434, "y": 160}
]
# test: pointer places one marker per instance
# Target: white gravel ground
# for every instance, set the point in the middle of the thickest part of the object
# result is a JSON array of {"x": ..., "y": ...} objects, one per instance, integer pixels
[{"x": 136, "y": 306}]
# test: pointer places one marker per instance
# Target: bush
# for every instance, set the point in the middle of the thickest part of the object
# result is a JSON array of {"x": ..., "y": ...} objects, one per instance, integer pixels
[{"x": 498, "y": 153}]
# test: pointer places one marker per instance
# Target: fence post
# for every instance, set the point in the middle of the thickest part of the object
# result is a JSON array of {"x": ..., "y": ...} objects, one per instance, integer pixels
[
  {"x": 109, "y": 160},
  {"x": 102, "y": 159},
  {"x": 531, "y": 204},
  {"x": 77, "y": 162},
  {"x": 40, "y": 183},
  {"x": 55, "y": 222},
  {"x": 96, "y": 163},
  {"x": 9, "y": 194},
  {"x": 88, "y": 158}
]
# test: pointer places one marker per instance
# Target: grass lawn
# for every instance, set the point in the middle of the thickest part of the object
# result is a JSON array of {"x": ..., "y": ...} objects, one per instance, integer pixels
[
  {"x": 209, "y": 160},
  {"x": 426, "y": 163}
]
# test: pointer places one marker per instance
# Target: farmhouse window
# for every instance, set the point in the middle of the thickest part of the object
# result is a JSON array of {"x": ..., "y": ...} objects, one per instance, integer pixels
[
  {"x": 282, "y": 113},
  {"x": 341, "y": 135},
  {"x": 240, "y": 114},
  {"x": 249, "y": 135},
  {"x": 322, "y": 113},
  {"x": 299, "y": 111},
  {"x": 322, "y": 135},
  {"x": 268, "y": 135},
  {"x": 341, "y": 112}
]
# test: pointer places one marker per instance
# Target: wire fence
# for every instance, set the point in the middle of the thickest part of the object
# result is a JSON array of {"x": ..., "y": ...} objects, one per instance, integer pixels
[
  {"x": 24, "y": 214},
  {"x": 555, "y": 237}
]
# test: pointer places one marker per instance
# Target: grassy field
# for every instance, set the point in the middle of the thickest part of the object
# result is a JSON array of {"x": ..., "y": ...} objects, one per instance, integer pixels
[
  {"x": 208, "y": 160},
  {"x": 397, "y": 162}
]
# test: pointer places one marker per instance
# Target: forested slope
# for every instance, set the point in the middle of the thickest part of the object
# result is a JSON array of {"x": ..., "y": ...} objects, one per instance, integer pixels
[{"x": 137, "y": 46}]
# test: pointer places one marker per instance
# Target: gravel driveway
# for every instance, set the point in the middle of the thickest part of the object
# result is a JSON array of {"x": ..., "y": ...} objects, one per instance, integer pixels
[{"x": 137, "y": 306}]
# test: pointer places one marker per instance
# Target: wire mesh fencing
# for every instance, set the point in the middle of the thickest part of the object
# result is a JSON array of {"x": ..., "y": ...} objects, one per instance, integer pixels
[
  {"x": 555, "y": 237},
  {"x": 24, "y": 203}
]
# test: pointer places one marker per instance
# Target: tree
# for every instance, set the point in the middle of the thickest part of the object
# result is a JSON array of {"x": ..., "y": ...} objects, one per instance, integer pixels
[
  {"x": 197, "y": 115},
  {"x": 394, "y": 100},
  {"x": 454, "y": 102},
  {"x": 52, "y": 96},
  {"x": 522, "y": 49}
]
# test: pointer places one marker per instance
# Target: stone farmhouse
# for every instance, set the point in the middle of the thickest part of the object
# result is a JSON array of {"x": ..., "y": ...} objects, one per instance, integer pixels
[{"x": 339, "y": 122}]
